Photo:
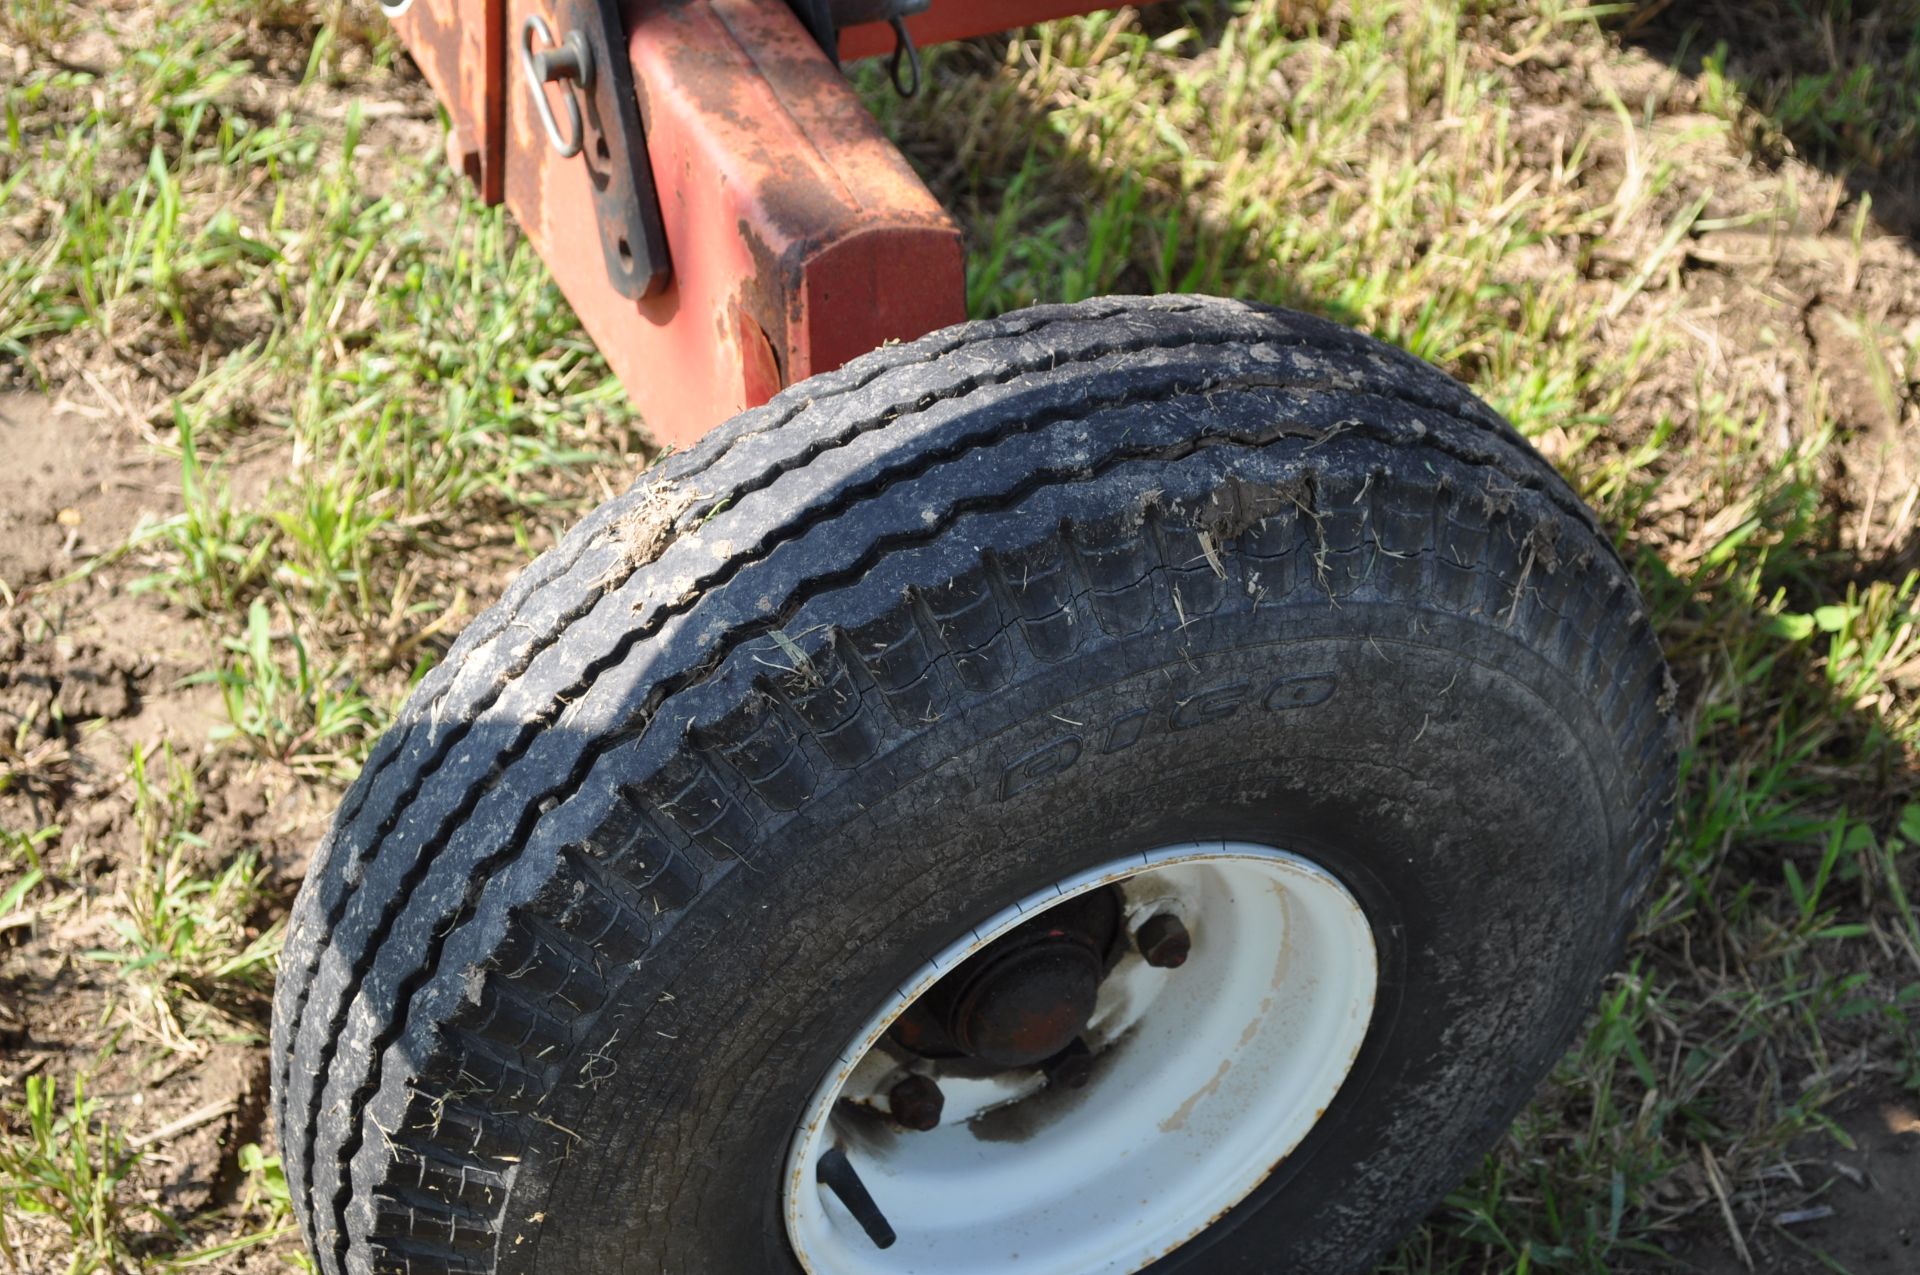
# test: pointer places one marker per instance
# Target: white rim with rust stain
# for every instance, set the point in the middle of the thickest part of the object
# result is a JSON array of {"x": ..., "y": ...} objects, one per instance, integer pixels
[{"x": 1207, "y": 1076}]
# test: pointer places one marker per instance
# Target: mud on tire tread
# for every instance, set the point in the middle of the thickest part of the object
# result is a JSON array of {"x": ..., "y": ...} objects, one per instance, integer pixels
[{"x": 805, "y": 588}]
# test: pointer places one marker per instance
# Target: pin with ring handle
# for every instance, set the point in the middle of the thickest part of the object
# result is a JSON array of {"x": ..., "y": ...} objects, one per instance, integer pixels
[{"x": 569, "y": 59}]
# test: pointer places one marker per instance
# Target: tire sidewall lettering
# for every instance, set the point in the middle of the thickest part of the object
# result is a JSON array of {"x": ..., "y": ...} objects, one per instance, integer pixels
[
  {"x": 1216, "y": 704},
  {"x": 1298, "y": 690},
  {"x": 1050, "y": 759}
]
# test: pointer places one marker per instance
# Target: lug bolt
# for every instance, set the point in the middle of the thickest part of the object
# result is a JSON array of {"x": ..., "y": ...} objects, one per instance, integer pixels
[
  {"x": 1164, "y": 941},
  {"x": 1071, "y": 1068},
  {"x": 916, "y": 1103}
]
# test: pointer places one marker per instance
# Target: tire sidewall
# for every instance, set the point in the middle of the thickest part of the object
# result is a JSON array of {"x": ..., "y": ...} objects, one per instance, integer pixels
[{"x": 1453, "y": 780}]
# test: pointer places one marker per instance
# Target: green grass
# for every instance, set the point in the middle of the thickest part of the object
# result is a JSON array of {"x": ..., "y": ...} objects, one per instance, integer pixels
[
  {"x": 289, "y": 711},
  {"x": 1838, "y": 80},
  {"x": 187, "y": 931},
  {"x": 70, "y": 1169},
  {"x": 193, "y": 965},
  {"x": 378, "y": 404}
]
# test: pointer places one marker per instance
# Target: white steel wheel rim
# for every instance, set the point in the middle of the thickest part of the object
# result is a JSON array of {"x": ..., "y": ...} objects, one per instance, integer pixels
[{"x": 1207, "y": 1077}]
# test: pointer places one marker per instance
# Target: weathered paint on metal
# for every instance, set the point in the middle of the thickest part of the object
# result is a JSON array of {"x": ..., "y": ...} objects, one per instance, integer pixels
[
  {"x": 800, "y": 238},
  {"x": 461, "y": 47},
  {"x": 959, "y": 20}
]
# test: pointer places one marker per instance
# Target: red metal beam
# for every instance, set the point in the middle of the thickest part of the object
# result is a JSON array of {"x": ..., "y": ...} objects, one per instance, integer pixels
[
  {"x": 798, "y": 234},
  {"x": 460, "y": 46},
  {"x": 799, "y": 237},
  {"x": 960, "y": 20}
]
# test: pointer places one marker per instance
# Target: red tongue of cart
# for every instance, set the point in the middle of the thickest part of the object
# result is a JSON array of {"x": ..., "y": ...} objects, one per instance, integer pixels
[{"x": 764, "y": 231}]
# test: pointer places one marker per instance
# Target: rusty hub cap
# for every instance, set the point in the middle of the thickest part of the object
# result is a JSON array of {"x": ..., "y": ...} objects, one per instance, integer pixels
[{"x": 1024, "y": 997}]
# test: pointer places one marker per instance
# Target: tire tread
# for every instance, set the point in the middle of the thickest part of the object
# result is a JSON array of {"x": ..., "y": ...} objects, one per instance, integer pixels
[{"x": 399, "y": 945}]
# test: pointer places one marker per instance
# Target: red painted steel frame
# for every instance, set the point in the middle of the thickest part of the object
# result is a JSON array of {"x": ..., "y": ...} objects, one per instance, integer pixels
[
  {"x": 799, "y": 236},
  {"x": 959, "y": 20},
  {"x": 461, "y": 47}
]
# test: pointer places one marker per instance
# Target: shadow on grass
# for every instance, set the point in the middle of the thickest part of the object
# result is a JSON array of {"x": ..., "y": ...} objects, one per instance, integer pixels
[
  {"x": 1837, "y": 81},
  {"x": 1047, "y": 220}
]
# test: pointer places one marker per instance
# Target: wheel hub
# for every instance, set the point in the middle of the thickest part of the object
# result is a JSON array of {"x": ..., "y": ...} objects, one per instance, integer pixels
[
  {"x": 1029, "y": 1005},
  {"x": 985, "y": 1119},
  {"x": 1026, "y": 996}
]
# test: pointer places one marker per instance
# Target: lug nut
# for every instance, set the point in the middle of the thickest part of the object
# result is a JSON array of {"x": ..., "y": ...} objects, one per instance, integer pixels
[
  {"x": 1071, "y": 1068},
  {"x": 916, "y": 1103},
  {"x": 1164, "y": 941}
]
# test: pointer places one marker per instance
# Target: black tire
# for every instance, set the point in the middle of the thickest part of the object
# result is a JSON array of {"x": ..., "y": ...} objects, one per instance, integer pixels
[{"x": 769, "y": 729}]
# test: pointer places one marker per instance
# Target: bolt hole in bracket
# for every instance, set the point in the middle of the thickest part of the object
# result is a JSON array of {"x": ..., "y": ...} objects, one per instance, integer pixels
[{"x": 589, "y": 64}]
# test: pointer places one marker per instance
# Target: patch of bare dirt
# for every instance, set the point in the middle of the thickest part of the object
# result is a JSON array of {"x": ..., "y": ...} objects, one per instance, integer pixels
[
  {"x": 92, "y": 670},
  {"x": 88, "y": 674},
  {"x": 1806, "y": 321},
  {"x": 1865, "y": 1218},
  {"x": 1781, "y": 299},
  {"x": 74, "y": 482}
]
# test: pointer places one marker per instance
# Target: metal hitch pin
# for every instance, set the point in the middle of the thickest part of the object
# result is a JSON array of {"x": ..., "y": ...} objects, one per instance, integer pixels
[{"x": 570, "y": 59}]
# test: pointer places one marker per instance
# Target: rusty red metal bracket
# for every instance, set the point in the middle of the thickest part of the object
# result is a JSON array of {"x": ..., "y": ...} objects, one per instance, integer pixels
[
  {"x": 959, "y": 20},
  {"x": 460, "y": 46},
  {"x": 799, "y": 237}
]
